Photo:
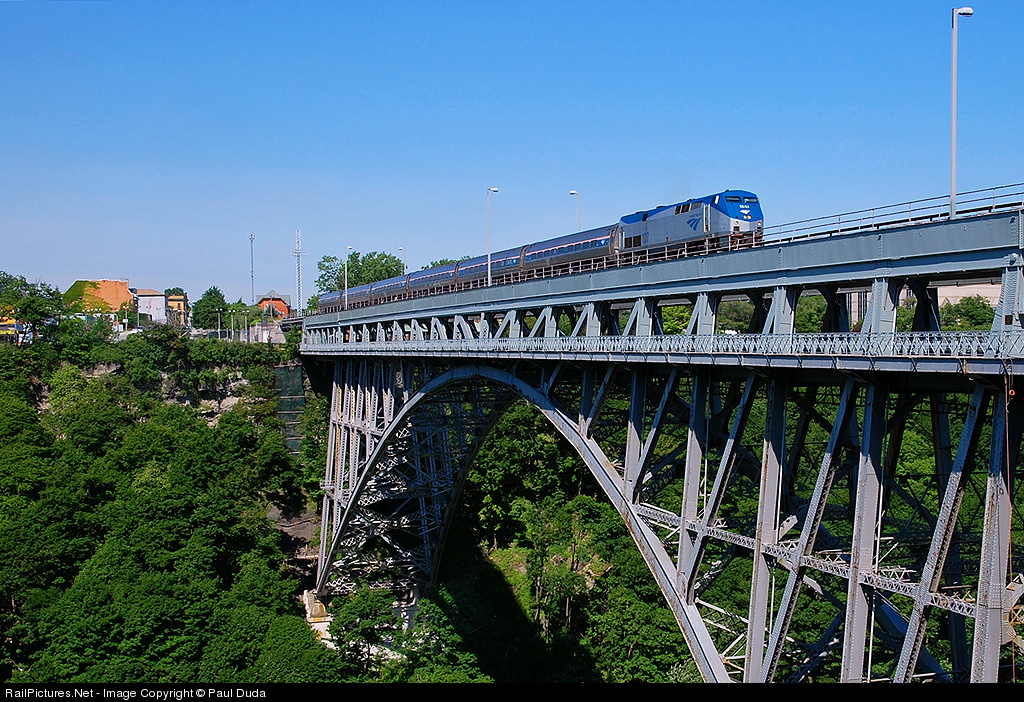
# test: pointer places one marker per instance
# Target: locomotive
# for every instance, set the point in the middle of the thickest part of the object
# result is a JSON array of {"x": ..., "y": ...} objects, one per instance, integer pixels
[{"x": 724, "y": 221}]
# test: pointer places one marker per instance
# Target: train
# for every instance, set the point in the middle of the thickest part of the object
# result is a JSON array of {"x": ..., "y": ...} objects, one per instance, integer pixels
[{"x": 726, "y": 220}]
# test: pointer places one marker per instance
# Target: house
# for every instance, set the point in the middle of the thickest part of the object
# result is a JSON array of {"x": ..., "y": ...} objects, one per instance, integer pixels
[
  {"x": 152, "y": 304},
  {"x": 280, "y": 304},
  {"x": 179, "y": 312},
  {"x": 95, "y": 297}
]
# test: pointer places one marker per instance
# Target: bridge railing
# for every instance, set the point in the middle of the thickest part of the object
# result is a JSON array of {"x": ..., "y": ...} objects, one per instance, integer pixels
[
  {"x": 992, "y": 345},
  {"x": 972, "y": 202}
]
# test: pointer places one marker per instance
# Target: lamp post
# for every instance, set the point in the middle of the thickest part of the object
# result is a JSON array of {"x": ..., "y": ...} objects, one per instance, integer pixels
[
  {"x": 347, "y": 249},
  {"x": 579, "y": 198},
  {"x": 405, "y": 260},
  {"x": 957, "y": 12},
  {"x": 489, "y": 191},
  {"x": 252, "y": 269}
]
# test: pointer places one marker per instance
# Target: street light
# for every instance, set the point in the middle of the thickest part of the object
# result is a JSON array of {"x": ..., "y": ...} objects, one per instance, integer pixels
[
  {"x": 957, "y": 12},
  {"x": 252, "y": 269},
  {"x": 579, "y": 198},
  {"x": 347, "y": 249},
  {"x": 405, "y": 260},
  {"x": 489, "y": 191}
]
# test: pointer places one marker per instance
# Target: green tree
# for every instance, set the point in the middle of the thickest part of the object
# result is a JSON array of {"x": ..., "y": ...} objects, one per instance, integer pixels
[
  {"x": 364, "y": 622},
  {"x": 970, "y": 314},
  {"x": 443, "y": 262},
  {"x": 810, "y": 314},
  {"x": 38, "y": 306},
  {"x": 204, "y": 312},
  {"x": 362, "y": 269},
  {"x": 675, "y": 319},
  {"x": 735, "y": 316}
]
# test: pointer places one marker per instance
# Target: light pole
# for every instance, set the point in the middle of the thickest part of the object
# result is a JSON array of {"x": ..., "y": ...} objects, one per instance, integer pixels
[
  {"x": 957, "y": 12},
  {"x": 252, "y": 269},
  {"x": 489, "y": 191},
  {"x": 347, "y": 249},
  {"x": 579, "y": 198},
  {"x": 405, "y": 260}
]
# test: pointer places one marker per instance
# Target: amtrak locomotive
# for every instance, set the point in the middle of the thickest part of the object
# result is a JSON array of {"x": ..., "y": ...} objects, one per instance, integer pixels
[{"x": 723, "y": 221}]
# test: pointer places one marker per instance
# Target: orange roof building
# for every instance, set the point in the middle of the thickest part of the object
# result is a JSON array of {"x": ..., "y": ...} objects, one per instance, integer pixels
[
  {"x": 100, "y": 296},
  {"x": 279, "y": 303}
]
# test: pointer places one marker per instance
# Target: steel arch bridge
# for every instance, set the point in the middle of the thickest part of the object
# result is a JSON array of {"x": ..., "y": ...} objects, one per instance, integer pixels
[{"x": 869, "y": 476}]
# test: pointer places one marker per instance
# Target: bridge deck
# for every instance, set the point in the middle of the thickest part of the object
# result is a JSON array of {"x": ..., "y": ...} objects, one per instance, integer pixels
[{"x": 973, "y": 249}]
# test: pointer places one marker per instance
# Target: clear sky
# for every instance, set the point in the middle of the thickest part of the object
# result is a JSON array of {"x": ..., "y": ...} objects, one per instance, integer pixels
[{"x": 147, "y": 140}]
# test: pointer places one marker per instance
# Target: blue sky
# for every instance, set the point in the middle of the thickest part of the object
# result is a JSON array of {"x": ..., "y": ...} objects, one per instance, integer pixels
[{"x": 146, "y": 140}]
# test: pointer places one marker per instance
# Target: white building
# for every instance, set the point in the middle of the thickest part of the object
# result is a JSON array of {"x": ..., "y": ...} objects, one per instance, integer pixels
[{"x": 153, "y": 304}]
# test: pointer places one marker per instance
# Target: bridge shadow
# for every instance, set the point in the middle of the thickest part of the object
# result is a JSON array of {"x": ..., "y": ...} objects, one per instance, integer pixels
[{"x": 480, "y": 604}]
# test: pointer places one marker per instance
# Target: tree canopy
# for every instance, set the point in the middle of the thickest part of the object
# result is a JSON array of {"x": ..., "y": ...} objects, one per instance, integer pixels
[
  {"x": 362, "y": 269},
  {"x": 36, "y": 305},
  {"x": 443, "y": 262},
  {"x": 204, "y": 312}
]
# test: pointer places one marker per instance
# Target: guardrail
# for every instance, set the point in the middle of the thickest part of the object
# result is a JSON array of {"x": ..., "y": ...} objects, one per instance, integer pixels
[
  {"x": 990, "y": 345},
  {"x": 972, "y": 202}
]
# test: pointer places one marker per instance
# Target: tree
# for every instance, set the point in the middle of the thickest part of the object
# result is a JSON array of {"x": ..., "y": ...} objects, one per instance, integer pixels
[
  {"x": 362, "y": 269},
  {"x": 970, "y": 314},
  {"x": 364, "y": 624},
  {"x": 38, "y": 306},
  {"x": 443, "y": 262},
  {"x": 204, "y": 312}
]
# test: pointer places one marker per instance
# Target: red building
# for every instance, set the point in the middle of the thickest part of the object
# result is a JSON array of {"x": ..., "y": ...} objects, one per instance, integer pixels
[{"x": 280, "y": 303}]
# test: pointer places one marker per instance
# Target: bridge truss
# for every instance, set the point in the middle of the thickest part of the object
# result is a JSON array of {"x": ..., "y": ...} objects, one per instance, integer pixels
[{"x": 773, "y": 481}]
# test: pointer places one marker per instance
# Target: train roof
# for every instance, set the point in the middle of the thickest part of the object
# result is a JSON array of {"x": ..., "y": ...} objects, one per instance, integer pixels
[
  {"x": 573, "y": 238},
  {"x": 390, "y": 281},
  {"x": 495, "y": 256},
  {"x": 436, "y": 270}
]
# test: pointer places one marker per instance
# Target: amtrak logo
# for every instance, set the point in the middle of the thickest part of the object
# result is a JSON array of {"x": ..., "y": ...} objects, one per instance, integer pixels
[{"x": 694, "y": 222}]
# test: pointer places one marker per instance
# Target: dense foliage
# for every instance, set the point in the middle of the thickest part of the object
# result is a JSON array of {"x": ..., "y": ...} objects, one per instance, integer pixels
[
  {"x": 134, "y": 544},
  {"x": 361, "y": 269},
  {"x": 36, "y": 305}
]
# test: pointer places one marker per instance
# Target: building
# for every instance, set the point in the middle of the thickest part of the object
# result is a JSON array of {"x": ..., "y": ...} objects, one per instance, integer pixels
[
  {"x": 96, "y": 297},
  {"x": 280, "y": 304},
  {"x": 151, "y": 304},
  {"x": 179, "y": 312}
]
